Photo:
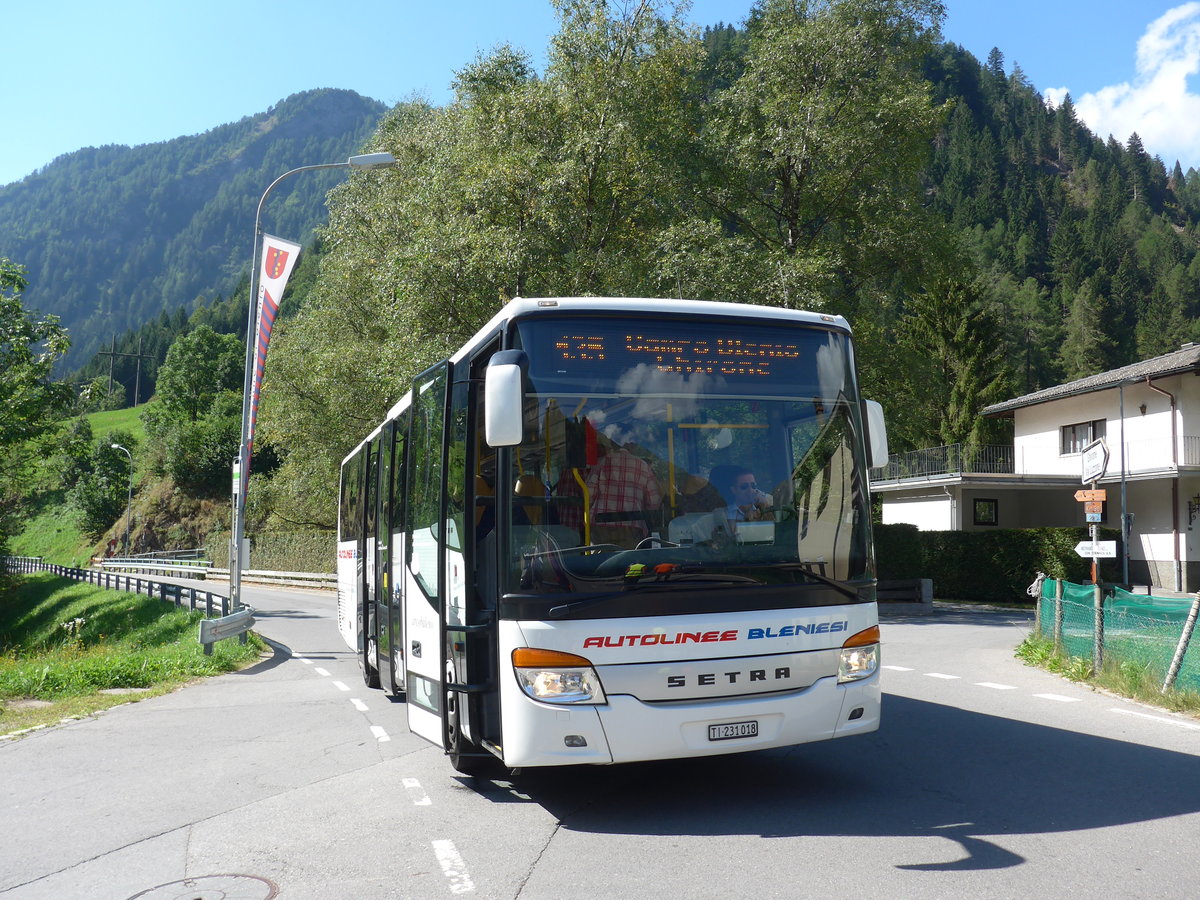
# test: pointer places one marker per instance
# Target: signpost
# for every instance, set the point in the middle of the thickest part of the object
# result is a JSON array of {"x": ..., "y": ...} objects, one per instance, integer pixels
[
  {"x": 1097, "y": 549},
  {"x": 1095, "y": 462}
]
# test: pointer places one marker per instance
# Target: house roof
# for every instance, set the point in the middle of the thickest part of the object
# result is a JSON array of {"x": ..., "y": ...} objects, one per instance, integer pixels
[{"x": 1185, "y": 359}]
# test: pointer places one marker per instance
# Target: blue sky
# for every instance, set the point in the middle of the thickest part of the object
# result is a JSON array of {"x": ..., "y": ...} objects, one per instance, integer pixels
[{"x": 77, "y": 73}]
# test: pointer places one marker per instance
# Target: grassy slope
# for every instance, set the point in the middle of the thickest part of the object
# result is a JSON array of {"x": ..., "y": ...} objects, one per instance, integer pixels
[
  {"x": 63, "y": 642},
  {"x": 53, "y": 530}
]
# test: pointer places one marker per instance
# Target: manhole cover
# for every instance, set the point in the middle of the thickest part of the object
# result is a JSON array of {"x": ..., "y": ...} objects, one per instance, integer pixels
[{"x": 213, "y": 887}]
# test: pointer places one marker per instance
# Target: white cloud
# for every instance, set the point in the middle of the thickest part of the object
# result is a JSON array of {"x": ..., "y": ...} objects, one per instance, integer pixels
[{"x": 1158, "y": 104}]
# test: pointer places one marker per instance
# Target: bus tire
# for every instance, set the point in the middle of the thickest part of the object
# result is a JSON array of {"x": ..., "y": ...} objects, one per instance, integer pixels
[
  {"x": 466, "y": 757},
  {"x": 370, "y": 673}
]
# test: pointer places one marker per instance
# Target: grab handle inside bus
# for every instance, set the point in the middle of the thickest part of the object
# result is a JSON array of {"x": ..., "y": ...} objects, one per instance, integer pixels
[{"x": 504, "y": 398}]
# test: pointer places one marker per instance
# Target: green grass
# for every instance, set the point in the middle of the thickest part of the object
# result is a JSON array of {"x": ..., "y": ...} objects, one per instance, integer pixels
[
  {"x": 118, "y": 420},
  {"x": 1119, "y": 674},
  {"x": 52, "y": 531},
  {"x": 63, "y": 642}
]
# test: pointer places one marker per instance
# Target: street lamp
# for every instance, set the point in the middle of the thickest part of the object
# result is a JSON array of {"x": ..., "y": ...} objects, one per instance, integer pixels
[
  {"x": 242, "y": 463},
  {"x": 129, "y": 502}
]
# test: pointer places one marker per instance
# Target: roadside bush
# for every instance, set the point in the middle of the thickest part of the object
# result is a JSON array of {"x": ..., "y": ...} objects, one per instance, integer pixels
[
  {"x": 994, "y": 566},
  {"x": 298, "y": 551}
]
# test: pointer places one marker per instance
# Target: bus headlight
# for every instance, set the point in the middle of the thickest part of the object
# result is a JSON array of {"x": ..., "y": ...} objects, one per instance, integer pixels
[
  {"x": 551, "y": 676},
  {"x": 859, "y": 658}
]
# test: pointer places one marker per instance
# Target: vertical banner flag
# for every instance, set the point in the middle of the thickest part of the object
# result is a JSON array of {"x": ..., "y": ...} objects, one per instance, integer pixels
[{"x": 278, "y": 258}]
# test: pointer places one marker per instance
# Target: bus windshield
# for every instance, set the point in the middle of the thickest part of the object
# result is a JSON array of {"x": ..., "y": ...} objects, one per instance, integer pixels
[{"x": 687, "y": 454}]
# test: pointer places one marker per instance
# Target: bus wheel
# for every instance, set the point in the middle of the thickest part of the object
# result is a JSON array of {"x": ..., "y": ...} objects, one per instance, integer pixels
[{"x": 370, "y": 672}]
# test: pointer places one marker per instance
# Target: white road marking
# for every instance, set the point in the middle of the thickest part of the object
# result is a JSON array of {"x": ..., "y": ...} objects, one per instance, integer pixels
[
  {"x": 898, "y": 668},
  {"x": 419, "y": 797},
  {"x": 322, "y": 672},
  {"x": 453, "y": 867},
  {"x": 940, "y": 675},
  {"x": 341, "y": 686},
  {"x": 1177, "y": 723},
  {"x": 996, "y": 687},
  {"x": 358, "y": 704},
  {"x": 1060, "y": 698},
  {"x": 380, "y": 734}
]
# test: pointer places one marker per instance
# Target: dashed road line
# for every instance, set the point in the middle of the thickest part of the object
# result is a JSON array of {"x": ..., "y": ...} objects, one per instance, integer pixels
[
  {"x": 380, "y": 734},
  {"x": 416, "y": 792},
  {"x": 1057, "y": 698},
  {"x": 358, "y": 704},
  {"x": 453, "y": 867},
  {"x": 322, "y": 672},
  {"x": 1176, "y": 722},
  {"x": 341, "y": 686}
]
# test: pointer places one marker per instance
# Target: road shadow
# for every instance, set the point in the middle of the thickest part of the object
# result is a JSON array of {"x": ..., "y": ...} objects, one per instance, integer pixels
[
  {"x": 280, "y": 653},
  {"x": 933, "y": 771}
]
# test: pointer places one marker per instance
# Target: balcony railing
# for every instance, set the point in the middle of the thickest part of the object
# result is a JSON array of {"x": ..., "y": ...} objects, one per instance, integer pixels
[
  {"x": 1141, "y": 456},
  {"x": 952, "y": 459}
]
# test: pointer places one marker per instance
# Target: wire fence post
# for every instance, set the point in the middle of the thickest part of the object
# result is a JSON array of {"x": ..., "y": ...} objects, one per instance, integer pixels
[
  {"x": 1098, "y": 651},
  {"x": 1058, "y": 614},
  {"x": 1185, "y": 638}
]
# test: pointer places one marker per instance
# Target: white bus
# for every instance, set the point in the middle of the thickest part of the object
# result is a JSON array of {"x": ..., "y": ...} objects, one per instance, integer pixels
[{"x": 609, "y": 530}]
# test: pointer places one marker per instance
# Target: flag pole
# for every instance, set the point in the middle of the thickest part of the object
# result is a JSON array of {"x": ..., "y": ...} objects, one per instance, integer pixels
[{"x": 242, "y": 463}]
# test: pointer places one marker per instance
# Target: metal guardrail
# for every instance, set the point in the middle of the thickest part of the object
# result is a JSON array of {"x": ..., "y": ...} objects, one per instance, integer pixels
[
  {"x": 204, "y": 569},
  {"x": 211, "y": 604},
  {"x": 319, "y": 580},
  {"x": 158, "y": 566}
]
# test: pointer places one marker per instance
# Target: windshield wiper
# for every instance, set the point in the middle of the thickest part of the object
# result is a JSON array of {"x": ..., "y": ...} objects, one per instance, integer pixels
[
  {"x": 823, "y": 579},
  {"x": 709, "y": 581}
]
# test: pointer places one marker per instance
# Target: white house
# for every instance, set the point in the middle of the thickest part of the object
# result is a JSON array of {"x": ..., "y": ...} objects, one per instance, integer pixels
[{"x": 1147, "y": 413}]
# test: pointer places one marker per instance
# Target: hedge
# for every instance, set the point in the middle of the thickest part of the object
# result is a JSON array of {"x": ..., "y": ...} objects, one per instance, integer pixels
[
  {"x": 994, "y": 565},
  {"x": 300, "y": 551}
]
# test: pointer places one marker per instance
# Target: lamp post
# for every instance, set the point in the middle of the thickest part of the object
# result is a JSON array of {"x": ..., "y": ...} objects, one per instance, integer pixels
[
  {"x": 129, "y": 501},
  {"x": 242, "y": 463}
]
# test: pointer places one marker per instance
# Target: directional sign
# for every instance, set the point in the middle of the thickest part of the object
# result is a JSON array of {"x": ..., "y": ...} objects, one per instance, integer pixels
[
  {"x": 1099, "y": 549},
  {"x": 1086, "y": 496},
  {"x": 1094, "y": 506},
  {"x": 1095, "y": 460},
  {"x": 1093, "y": 517}
]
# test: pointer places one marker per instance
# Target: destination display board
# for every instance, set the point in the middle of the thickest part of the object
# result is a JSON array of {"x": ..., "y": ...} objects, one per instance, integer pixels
[{"x": 646, "y": 356}]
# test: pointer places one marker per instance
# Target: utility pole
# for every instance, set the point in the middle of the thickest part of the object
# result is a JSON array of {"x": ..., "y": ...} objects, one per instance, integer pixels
[{"x": 139, "y": 356}]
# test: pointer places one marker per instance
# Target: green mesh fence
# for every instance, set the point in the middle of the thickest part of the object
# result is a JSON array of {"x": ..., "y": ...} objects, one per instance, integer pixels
[{"x": 1137, "y": 628}]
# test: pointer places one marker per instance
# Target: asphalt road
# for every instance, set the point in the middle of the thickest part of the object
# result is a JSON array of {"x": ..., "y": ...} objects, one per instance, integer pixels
[{"x": 987, "y": 779}]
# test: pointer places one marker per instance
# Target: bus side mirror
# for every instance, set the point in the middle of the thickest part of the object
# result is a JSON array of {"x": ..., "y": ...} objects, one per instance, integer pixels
[
  {"x": 504, "y": 398},
  {"x": 877, "y": 443}
]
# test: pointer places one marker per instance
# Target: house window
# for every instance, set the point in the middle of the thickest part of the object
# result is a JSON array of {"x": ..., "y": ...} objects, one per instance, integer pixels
[
  {"x": 986, "y": 512},
  {"x": 1076, "y": 437}
]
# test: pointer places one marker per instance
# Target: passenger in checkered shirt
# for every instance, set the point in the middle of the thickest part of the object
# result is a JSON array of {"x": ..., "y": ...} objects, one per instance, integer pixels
[{"x": 619, "y": 482}]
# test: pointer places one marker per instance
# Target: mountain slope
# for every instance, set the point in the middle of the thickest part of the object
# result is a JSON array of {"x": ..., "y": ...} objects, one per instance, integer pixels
[{"x": 113, "y": 236}]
